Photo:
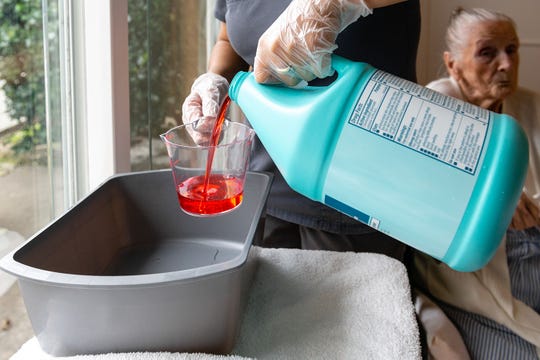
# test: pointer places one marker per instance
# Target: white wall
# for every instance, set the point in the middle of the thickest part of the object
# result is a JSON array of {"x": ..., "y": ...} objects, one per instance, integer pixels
[{"x": 435, "y": 14}]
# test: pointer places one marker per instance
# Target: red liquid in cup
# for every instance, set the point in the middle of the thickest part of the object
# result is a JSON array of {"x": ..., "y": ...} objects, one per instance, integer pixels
[
  {"x": 220, "y": 193},
  {"x": 211, "y": 194}
]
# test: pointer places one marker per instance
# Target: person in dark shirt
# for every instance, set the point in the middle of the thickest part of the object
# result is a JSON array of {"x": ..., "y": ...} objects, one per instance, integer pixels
[{"x": 289, "y": 42}]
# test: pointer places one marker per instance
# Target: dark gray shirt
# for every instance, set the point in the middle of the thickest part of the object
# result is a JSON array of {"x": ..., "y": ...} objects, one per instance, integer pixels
[{"x": 387, "y": 39}]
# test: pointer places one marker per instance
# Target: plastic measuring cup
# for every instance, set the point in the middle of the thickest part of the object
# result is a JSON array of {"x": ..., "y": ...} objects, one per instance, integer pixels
[{"x": 209, "y": 179}]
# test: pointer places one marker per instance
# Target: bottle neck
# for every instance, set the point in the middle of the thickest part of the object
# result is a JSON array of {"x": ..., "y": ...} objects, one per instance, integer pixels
[{"x": 236, "y": 83}]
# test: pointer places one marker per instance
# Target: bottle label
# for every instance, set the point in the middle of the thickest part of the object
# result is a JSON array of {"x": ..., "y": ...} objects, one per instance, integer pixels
[{"x": 441, "y": 127}]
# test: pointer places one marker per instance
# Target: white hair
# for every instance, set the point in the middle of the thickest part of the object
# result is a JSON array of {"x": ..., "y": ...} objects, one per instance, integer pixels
[{"x": 460, "y": 22}]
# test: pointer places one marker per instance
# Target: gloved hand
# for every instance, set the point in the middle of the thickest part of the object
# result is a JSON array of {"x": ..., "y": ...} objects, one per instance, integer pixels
[
  {"x": 298, "y": 45},
  {"x": 203, "y": 104}
]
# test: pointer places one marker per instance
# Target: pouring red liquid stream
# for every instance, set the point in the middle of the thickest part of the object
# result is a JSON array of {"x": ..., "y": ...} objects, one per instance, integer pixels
[
  {"x": 211, "y": 193},
  {"x": 214, "y": 140}
]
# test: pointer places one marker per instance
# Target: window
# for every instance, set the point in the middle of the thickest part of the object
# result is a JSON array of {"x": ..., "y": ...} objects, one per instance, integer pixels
[
  {"x": 167, "y": 50},
  {"x": 63, "y": 80},
  {"x": 30, "y": 152}
]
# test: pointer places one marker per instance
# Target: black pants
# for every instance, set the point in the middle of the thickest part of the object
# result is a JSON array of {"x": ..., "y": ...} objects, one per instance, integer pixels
[{"x": 283, "y": 234}]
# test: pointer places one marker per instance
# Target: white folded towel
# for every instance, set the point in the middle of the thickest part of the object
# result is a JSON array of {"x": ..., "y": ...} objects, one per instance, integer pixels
[
  {"x": 312, "y": 305},
  {"x": 329, "y": 305},
  {"x": 31, "y": 351}
]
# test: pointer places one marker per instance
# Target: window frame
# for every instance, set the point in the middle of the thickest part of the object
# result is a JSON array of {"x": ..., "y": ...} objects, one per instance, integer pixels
[{"x": 103, "y": 78}]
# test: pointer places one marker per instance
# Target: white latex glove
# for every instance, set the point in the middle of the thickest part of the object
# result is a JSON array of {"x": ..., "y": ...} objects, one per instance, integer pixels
[
  {"x": 203, "y": 104},
  {"x": 298, "y": 45}
]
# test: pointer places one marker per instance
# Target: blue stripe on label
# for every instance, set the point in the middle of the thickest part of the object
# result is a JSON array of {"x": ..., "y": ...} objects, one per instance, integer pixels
[{"x": 346, "y": 209}]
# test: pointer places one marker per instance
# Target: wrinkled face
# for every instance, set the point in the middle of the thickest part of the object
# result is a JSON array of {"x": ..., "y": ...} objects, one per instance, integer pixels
[{"x": 487, "y": 68}]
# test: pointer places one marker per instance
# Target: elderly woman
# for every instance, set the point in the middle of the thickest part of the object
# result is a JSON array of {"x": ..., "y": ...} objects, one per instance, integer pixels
[{"x": 495, "y": 310}]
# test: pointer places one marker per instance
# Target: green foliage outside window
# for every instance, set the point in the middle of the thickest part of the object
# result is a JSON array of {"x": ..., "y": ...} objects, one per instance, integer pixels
[
  {"x": 21, "y": 70},
  {"x": 153, "y": 64}
]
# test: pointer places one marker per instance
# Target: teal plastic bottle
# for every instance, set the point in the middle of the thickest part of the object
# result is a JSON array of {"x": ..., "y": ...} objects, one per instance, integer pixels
[{"x": 434, "y": 172}]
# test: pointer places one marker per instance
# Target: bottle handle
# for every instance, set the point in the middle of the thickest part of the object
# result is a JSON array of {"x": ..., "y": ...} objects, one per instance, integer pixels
[{"x": 339, "y": 65}]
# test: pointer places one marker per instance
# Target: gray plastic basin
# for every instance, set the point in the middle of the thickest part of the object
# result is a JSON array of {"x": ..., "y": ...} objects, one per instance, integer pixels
[{"x": 126, "y": 270}]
